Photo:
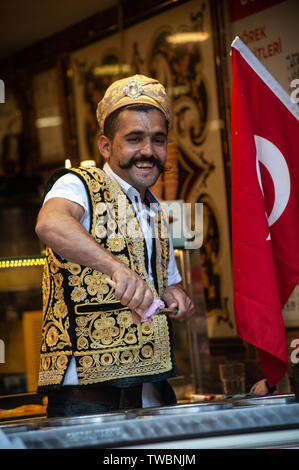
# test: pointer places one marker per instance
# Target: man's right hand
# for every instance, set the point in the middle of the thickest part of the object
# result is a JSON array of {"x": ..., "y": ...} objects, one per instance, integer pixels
[
  {"x": 59, "y": 227},
  {"x": 132, "y": 291}
]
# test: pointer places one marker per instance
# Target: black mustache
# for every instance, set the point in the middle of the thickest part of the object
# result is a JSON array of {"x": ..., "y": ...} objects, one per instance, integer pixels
[{"x": 152, "y": 159}]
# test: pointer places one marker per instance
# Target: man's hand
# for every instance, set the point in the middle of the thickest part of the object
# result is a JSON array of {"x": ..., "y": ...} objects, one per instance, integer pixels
[
  {"x": 132, "y": 291},
  {"x": 175, "y": 297},
  {"x": 59, "y": 227},
  {"x": 261, "y": 388}
]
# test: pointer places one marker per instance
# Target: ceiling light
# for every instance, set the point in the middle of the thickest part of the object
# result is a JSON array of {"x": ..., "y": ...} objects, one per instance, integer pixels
[{"x": 181, "y": 38}]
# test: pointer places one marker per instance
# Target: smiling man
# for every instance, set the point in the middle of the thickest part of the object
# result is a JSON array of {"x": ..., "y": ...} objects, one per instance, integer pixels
[
  {"x": 97, "y": 352},
  {"x": 138, "y": 150}
]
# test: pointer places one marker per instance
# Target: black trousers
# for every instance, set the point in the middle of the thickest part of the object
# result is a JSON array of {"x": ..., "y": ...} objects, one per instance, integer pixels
[{"x": 58, "y": 407}]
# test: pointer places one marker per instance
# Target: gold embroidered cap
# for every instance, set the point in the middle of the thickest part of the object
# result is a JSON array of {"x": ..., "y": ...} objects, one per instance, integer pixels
[{"x": 137, "y": 89}]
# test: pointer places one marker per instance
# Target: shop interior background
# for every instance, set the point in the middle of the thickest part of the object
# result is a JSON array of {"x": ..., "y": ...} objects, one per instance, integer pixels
[{"x": 56, "y": 60}]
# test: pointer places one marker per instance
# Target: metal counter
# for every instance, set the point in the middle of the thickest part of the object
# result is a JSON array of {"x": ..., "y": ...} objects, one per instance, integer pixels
[{"x": 250, "y": 422}]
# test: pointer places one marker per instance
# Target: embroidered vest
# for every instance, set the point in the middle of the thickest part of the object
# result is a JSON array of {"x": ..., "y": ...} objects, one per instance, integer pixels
[{"x": 81, "y": 316}]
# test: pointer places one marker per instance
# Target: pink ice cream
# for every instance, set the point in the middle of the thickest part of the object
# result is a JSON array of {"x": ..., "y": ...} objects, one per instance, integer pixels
[{"x": 152, "y": 310}]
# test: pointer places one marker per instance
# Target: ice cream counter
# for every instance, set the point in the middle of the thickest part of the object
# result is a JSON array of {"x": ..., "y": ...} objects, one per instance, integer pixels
[{"x": 251, "y": 422}]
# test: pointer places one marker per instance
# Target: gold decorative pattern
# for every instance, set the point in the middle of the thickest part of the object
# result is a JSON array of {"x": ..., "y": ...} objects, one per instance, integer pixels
[
  {"x": 53, "y": 367},
  {"x": 138, "y": 89},
  {"x": 79, "y": 304},
  {"x": 56, "y": 323}
]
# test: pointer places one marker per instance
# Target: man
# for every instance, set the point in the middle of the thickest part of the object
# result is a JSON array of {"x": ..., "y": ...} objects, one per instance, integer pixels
[{"x": 97, "y": 354}]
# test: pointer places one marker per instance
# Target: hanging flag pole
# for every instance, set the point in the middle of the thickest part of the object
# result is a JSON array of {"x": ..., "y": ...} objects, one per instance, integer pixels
[
  {"x": 265, "y": 212},
  {"x": 264, "y": 75}
]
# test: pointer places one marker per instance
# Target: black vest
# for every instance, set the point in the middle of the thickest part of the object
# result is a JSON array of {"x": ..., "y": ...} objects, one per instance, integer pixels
[{"x": 81, "y": 316}]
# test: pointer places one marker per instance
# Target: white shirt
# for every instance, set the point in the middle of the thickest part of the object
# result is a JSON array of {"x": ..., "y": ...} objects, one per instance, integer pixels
[{"x": 71, "y": 187}]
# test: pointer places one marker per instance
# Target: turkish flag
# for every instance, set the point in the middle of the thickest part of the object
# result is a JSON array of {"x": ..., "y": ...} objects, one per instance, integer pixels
[{"x": 265, "y": 207}]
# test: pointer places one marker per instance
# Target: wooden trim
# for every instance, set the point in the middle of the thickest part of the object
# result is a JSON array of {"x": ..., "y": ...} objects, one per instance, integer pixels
[{"x": 221, "y": 49}]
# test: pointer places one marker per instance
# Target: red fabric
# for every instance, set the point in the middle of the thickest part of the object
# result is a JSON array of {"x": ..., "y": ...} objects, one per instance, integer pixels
[
  {"x": 265, "y": 271},
  {"x": 240, "y": 9}
]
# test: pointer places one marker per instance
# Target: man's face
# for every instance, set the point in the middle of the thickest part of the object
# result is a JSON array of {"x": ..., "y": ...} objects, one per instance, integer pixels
[{"x": 138, "y": 147}]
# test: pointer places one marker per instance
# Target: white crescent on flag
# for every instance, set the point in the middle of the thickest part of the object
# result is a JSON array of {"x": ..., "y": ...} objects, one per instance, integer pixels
[{"x": 268, "y": 154}]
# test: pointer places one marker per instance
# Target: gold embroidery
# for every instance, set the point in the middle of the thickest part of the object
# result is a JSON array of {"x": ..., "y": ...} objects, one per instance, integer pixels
[
  {"x": 86, "y": 361},
  {"x": 126, "y": 357},
  {"x": 81, "y": 321},
  {"x": 52, "y": 367},
  {"x": 46, "y": 287},
  {"x": 107, "y": 343},
  {"x": 82, "y": 343},
  {"x": 112, "y": 225},
  {"x": 124, "y": 259},
  {"x": 56, "y": 322},
  {"x": 58, "y": 280},
  {"x": 96, "y": 284},
  {"x": 147, "y": 351},
  {"x": 74, "y": 280},
  {"x": 60, "y": 309},
  {"x": 78, "y": 294},
  {"x": 115, "y": 243},
  {"x": 107, "y": 196},
  {"x": 124, "y": 319},
  {"x": 53, "y": 267},
  {"x": 100, "y": 231},
  {"x": 61, "y": 362},
  {"x": 46, "y": 362},
  {"x": 146, "y": 328},
  {"x": 74, "y": 268},
  {"x": 100, "y": 208},
  {"x": 106, "y": 359},
  {"x": 95, "y": 186}
]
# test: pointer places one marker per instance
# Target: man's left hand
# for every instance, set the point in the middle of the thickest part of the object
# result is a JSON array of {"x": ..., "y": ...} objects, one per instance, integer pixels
[{"x": 175, "y": 297}]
